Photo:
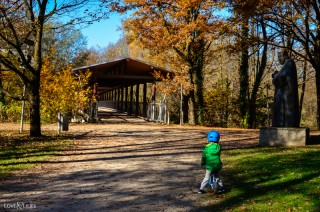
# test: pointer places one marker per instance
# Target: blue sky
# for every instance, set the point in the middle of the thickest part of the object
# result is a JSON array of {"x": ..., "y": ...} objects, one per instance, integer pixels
[{"x": 104, "y": 32}]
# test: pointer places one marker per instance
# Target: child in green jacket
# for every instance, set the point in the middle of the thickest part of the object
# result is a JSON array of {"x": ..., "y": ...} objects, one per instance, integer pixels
[{"x": 211, "y": 159}]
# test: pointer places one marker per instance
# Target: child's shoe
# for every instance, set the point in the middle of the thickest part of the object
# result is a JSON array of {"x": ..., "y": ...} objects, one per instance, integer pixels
[
  {"x": 221, "y": 189},
  {"x": 201, "y": 191}
]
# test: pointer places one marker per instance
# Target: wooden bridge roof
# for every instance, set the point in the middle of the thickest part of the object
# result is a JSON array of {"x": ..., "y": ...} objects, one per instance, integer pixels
[{"x": 122, "y": 73}]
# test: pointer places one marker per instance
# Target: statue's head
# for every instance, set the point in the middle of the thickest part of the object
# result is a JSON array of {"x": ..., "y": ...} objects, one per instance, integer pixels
[{"x": 283, "y": 55}]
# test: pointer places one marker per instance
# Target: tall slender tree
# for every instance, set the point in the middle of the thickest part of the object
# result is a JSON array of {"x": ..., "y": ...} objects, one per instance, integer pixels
[
  {"x": 261, "y": 66},
  {"x": 244, "y": 73},
  {"x": 2, "y": 101}
]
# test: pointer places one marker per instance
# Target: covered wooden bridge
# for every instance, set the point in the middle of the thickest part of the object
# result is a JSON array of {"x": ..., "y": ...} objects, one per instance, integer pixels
[{"x": 127, "y": 85}]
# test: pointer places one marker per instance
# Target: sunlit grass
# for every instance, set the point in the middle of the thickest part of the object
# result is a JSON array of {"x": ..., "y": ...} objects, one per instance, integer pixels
[
  {"x": 19, "y": 151},
  {"x": 271, "y": 179}
]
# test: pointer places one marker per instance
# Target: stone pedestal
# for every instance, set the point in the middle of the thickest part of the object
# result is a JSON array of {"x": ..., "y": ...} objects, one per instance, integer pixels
[{"x": 283, "y": 136}]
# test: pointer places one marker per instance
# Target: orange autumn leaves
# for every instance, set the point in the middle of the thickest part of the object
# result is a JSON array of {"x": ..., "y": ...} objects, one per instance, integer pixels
[
  {"x": 180, "y": 31},
  {"x": 172, "y": 23}
]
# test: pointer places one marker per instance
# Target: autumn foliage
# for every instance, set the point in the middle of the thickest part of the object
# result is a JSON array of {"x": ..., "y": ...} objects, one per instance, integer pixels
[
  {"x": 185, "y": 28},
  {"x": 62, "y": 91}
]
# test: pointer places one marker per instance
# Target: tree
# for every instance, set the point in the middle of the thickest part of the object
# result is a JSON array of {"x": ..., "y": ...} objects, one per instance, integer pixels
[
  {"x": 258, "y": 75},
  {"x": 299, "y": 22},
  {"x": 63, "y": 91},
  {"x": 95, "y": 55},
  {"x": 244, "y": 73},
  {"x": 69, "y": 44},
  {"x": 21, "y": 38},
  {"x": 252, "y": 40},
  {"x": 12, "y": 108},
  {"x": 117, "y": 50},
  {"x": 2, "y": 101},
  {"x": 218, "y": 104},
  {"x": 186, "y": 27}
]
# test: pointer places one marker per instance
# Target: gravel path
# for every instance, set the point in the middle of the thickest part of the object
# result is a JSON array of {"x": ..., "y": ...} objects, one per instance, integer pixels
[{"x": 123, "y": 164}]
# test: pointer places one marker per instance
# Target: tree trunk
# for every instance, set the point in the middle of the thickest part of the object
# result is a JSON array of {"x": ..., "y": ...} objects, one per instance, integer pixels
[
  {"x": 2, "y": 103},
  {"x": 244, "y": 83},
  {"x": 303, "y": 88},
  {"x": 257, "y": 82},
  {"x": 191, "y": 101},
  {"x": 199, "y": 89},
  {"x": 316, "y": 66},
  {"x": 244, "y": 76},
  {"x": 191, "y": 108},
  {"x": 185, "y": 108},
  {"x": 34, "y": 85},
  {"x": 318, "y": 96},
  {"x": 34, "y": 101}
]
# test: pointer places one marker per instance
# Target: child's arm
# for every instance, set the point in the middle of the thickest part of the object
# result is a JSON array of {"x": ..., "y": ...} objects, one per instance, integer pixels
[{"x": 203, "y": 159}]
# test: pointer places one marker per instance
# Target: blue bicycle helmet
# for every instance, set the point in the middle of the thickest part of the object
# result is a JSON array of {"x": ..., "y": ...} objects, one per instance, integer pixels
[{"x": 213, "y": 136}]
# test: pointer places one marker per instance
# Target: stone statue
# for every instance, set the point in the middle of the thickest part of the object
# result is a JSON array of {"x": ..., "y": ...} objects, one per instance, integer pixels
[{"x": 286, "y": 101}]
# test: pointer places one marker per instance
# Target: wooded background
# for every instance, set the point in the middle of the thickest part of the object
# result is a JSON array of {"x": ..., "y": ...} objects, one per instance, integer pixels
[{"x": 222, "y": 52}]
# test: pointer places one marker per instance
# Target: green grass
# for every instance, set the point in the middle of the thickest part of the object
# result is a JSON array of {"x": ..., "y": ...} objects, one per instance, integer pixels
[
  {"x": 19, "y": 151},
  {"x": 270, "y": 179}
]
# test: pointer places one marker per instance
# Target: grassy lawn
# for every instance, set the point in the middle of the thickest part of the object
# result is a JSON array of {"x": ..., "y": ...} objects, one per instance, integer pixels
[
  {"x": 19, "y": 151},
  {"x": 270, "y": 179}
]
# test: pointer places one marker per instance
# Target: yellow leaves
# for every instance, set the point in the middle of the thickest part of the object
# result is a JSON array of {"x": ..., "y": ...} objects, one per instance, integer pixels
[{"x": 62, "y": 91}]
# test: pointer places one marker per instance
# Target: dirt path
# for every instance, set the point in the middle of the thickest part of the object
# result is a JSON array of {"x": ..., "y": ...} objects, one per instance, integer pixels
[{"x": 125, "y": 165}]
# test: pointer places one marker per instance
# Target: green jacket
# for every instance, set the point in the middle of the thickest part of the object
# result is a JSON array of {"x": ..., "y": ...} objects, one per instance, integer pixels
[{"x": 211, "y": 157}]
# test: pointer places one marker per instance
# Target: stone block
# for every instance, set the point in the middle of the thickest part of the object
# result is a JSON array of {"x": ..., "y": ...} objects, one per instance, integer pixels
[{"x": 283, "y": 136}]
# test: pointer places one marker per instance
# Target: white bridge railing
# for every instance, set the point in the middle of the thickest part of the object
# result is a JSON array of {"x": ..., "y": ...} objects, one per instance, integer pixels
[{"x": 157, "y": 112}]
